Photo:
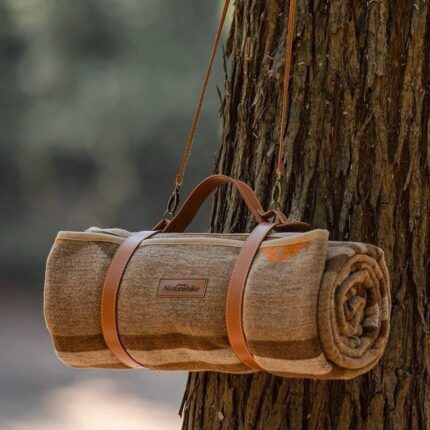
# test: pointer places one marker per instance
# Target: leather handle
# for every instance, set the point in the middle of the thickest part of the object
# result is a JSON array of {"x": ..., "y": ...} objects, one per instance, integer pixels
[{"x": 200, "y": 193}]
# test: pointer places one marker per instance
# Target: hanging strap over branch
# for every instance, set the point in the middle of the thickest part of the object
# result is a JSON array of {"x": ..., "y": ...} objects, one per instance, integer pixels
[{"x": 174, "y": 198}]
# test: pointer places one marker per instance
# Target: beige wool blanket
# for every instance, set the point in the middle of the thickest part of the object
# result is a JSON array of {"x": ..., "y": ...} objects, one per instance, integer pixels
[{"x": 312, "y": 307}]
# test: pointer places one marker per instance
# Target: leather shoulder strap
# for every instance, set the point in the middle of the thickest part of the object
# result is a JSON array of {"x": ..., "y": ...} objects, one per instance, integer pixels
[
  {"x": 289, "y": 38},
  {"x": 235, "y": 294},
  {"x": 110, "y": 294}
]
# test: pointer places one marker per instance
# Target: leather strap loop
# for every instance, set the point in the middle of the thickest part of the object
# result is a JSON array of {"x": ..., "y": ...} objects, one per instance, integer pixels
[
  {"x": 235, "y": 294},
  {"x": 110, "y": 295},
  {"x": 273, "y": 213}
]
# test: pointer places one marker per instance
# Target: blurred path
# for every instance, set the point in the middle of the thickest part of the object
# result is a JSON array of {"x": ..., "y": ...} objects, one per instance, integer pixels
[{"x": 38, "y": 391}]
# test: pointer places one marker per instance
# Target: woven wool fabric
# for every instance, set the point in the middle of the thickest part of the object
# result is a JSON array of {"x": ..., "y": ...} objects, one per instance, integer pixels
[{"x": 312, "y": 308}]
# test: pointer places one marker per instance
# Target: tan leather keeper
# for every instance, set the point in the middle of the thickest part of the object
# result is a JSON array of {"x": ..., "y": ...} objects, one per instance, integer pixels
[{"x": 110, "y": 295}]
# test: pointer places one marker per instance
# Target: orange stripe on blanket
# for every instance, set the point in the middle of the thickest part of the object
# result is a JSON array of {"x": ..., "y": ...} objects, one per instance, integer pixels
[{"x": 279, "y": 254}]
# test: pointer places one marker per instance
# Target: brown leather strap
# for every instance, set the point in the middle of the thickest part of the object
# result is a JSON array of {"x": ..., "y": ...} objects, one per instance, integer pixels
[
  {"x": 287, "y": 70},
  {"x": 192, "y": 134},
  {"x": 110, "y": 294},
  {"x": 235, "y": 294},
  {"x": 200, "y": 193}
]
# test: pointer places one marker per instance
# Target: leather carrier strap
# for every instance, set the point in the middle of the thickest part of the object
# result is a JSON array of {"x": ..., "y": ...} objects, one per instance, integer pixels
[
  {"x": 235, "y": 294},
  {"x": 110, "y": 295},
  {"x": 236, "y": 288}
]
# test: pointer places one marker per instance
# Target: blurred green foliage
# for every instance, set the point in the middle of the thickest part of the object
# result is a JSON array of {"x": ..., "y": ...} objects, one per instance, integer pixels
[{"x": 96, "y": 98}]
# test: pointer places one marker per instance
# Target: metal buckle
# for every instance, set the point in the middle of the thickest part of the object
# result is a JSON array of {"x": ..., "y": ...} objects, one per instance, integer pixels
[{"x": 173, "y": 202}]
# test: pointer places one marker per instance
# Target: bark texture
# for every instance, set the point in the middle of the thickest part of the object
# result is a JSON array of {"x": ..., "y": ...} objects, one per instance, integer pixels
[{"x": 357, "y": 163}]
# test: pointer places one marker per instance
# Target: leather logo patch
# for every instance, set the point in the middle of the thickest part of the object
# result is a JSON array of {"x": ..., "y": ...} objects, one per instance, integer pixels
[{"x": 182, "y": 288}]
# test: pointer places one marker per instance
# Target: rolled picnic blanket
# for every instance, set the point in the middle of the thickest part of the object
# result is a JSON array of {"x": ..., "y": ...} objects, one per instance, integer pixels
[{"x": 311, "y": 308}]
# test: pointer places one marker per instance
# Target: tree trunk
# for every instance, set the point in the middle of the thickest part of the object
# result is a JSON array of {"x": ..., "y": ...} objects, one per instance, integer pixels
[{"x": 357, "y": 164}]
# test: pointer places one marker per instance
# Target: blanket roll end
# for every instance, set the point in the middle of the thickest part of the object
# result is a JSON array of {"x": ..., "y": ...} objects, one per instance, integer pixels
[{"x": 354, "y": 306}]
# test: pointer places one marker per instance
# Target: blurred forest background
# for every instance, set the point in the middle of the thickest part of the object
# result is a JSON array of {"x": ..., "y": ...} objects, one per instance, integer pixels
[{"x": 96, "y": 98}]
